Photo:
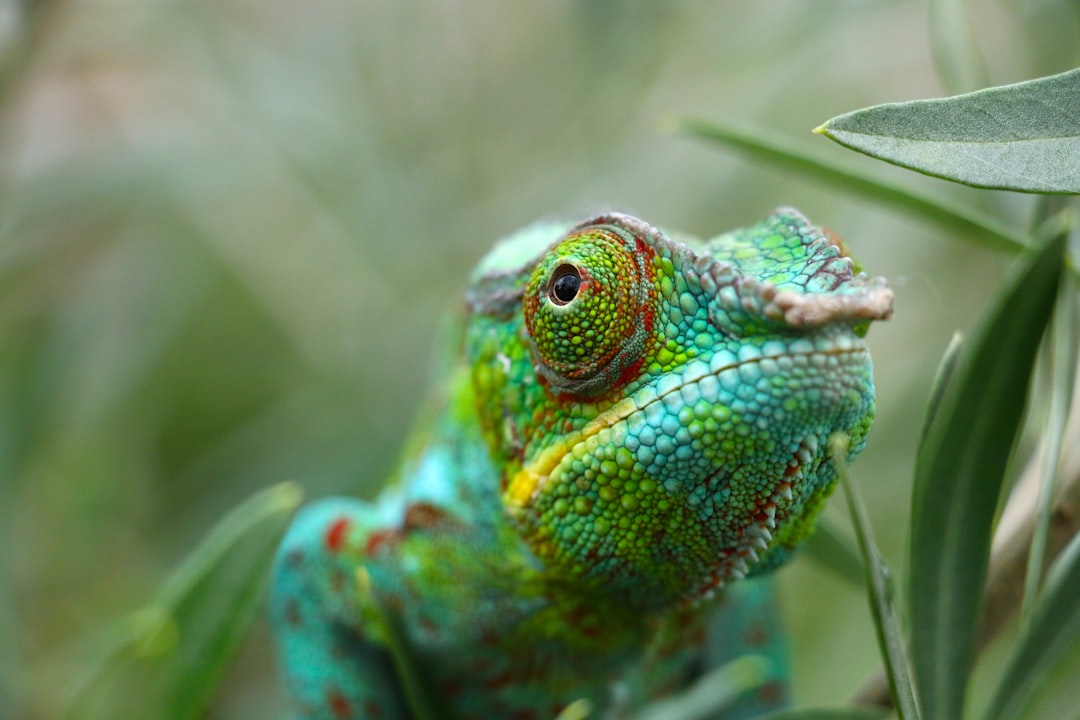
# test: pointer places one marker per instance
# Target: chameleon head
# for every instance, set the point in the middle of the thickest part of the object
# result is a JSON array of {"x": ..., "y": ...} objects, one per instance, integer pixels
[{"x": 673, "y": 405}]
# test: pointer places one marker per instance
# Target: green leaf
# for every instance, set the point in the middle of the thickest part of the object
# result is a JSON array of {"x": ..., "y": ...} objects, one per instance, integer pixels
[
  {"x": 167, "y": 659},
  {"x": 577, "y": 710},
  {"x": 1052, "y": 641},
  {"x": 879, "y": 590},
  {"x": 1062, "y": 359},
  {"x": 959, "y": 473},
  {"x": 941, "y": 381},
  {"x": 853, "y": 713},
  {"x": 831, "y": 548},
  {"x": 1022, "y": 137},
  {"x": 789, "y": 155},
  {"x": 715, "y": 690}
]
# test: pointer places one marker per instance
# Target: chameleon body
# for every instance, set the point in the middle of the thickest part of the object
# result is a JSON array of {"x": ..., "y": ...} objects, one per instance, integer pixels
[{"x": 628, "y": 426}]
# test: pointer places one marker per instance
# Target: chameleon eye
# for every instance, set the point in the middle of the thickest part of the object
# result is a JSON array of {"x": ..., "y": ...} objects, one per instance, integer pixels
[
  {"x": 589, "y": 309},
  {"x": 565, "y": 282}
]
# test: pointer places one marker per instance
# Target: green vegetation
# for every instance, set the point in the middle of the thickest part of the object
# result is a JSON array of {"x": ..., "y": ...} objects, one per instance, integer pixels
[{"x": 227, "y": 231}]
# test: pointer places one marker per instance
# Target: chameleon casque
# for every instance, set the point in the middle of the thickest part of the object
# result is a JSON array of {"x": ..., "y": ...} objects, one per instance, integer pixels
[{"x": 627, "y": 426}]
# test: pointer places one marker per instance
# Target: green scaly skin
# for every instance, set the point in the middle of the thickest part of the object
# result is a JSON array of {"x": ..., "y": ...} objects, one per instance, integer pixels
[{"x": 628, "y": 426}]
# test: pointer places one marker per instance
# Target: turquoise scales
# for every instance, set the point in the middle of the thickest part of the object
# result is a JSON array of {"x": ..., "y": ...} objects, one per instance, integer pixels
[{"x": 628, "y": 425}]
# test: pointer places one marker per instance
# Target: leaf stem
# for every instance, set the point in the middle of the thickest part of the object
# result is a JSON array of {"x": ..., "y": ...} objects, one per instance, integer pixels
[{"x": 890, "y": 639}]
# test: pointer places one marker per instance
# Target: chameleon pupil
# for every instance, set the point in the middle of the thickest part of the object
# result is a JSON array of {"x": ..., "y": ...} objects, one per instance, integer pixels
[{"x": 565, "y": 284}]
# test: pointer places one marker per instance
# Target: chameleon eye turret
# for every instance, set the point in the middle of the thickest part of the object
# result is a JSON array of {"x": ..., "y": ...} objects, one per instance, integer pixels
[
  {"x": 588, "y": 312},
  {"x": 627, "y": 425}
]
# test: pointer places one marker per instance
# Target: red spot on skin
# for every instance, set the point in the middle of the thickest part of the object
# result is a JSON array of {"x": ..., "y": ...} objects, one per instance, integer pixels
[
  {"x": 755, "y": 636},
  {"x": 378, "y": 538},
  {"x": 422, "y": 515},
  {"x": 339, "y": 704},
  {"x": 429, "y": 626},
  {"x": 292, "y": 613},
  {"x": 631, "y": 372},
  {"x": 451, "y": 689},
  {"x": 500, "y": 681},
  {"x": 792, "y": 470},
  {"x": 335, "y": 534},
  {"x": 770, "y": 693}
]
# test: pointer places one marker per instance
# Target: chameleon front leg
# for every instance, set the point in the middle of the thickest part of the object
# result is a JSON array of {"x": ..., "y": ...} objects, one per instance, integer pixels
[
  {"x": 743, "y": 621},
  {"x": 747, "y": 622},
  {"x": 333, "y": 670}
]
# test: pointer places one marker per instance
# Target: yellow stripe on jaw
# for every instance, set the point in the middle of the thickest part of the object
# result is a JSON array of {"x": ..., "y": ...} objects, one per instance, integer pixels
[
  {"x": 521, "y": 488},
  {"x": 529, "y": 478},
  {"x": 527, "y": 481}
]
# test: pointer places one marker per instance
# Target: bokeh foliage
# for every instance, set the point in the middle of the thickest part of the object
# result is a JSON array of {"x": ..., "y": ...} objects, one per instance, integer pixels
[{"x": 228, "y": 231}]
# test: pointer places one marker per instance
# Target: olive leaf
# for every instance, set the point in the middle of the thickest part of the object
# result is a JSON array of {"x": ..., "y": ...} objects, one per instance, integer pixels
[{"x": 1023, "y": 137}]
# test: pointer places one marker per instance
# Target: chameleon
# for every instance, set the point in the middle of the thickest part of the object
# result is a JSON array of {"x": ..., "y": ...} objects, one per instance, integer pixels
[{"x": 630, "y": 430}]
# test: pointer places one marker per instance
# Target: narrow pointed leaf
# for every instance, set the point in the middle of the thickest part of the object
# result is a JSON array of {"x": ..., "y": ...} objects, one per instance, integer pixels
[
  {"x": 1023, "y": 137},
  {"x": 853, "y": 713},
  {"x": 879, "y": 591},
  {"x": 790, "y": 155},
  {"x": 713, "y": 692},
  {"x": 1062, "y": 354},
  {"x": 170, "y": 656},
  {"x": 941, "y": 381},
  {"x": 1052, "y": 641},
  {"x": 959, "y": 474}
]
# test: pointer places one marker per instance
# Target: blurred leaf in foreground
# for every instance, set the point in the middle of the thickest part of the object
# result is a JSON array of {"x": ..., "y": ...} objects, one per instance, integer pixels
[
  {"x": 714, "y": 691},
  {"x": 1022, "y": 137},
  {"x": 168, "y": 658},
  {"x": 1050, "y": 646},
  {"x": 828, "y": 714},
  {"x": 959, "y": 474}
]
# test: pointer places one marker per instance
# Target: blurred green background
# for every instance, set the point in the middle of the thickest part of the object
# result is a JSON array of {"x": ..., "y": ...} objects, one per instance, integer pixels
[{"x": 230, "y": 228}]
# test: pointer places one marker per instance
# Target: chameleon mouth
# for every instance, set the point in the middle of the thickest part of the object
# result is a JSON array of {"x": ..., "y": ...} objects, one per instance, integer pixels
[{"x": 699, "y": 380}]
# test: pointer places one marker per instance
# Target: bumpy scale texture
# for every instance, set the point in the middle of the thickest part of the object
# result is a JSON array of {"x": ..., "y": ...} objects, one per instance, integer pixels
[{"x": 629, "y": 427}]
